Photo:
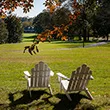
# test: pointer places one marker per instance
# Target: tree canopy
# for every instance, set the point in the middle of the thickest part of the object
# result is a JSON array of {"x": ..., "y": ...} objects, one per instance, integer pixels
[
  {"x": 14, "y": 27},
  {"x": 3, "y": 32},
  {"x": 83, "y": 13}
]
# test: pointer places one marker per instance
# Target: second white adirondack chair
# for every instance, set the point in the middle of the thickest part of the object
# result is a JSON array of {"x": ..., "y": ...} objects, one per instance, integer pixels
[
  {"x": 78, "y": 81},
  {"x": 39, "y": 77}
]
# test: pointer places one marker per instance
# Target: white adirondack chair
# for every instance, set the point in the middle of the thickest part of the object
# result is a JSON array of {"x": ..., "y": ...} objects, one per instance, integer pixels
[
  {"x": 78, "y": 81},
  {"x": 39, "y": 77}
]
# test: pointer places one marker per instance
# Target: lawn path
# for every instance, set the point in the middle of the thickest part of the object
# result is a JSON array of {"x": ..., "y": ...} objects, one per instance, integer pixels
[{"x": 96, "y": 44}]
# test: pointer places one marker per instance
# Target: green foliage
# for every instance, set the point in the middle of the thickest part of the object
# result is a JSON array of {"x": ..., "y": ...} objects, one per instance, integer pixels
[
  {"x": 102, "y": 19},
  {"x": 27, "y": 24},
  {"x": 15, "y": 29},
  {"x": 3, "y": 32},
  {"x": 60, "y": 16},
  {"x": 45, "y": 20},
  {"x": 42, "y": 22}
]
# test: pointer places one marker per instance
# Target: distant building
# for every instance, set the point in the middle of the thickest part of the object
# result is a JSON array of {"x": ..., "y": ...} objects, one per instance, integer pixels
[{"x": 29, "y": 29}]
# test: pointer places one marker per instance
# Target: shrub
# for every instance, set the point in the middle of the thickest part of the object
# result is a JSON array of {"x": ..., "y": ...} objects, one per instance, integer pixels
[
  {"x": 3, "y": 32},
  {"x": 15, "y": 29}
]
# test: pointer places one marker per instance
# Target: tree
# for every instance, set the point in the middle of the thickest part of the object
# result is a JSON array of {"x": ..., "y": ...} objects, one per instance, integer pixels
[
  {"x": 26, "y": 21},
  {"x": 3, "y": 32},
  {"x": 15, "y": 29},
  {"x": 101, "y": 22},
  {"x": 60, "y": 16},
  {"x": 42, "y": 22},
  {"x": 86, "y": 9}
]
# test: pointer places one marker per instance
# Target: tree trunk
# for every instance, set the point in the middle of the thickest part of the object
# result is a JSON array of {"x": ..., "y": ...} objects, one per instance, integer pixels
[
  {"x": 107, "y": 38},
  {"x": 88, "y": 35},
  {"x": 84, "y": 35}
]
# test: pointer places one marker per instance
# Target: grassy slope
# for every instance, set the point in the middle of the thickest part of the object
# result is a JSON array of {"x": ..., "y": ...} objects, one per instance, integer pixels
[{"x": 61, "y": 57}]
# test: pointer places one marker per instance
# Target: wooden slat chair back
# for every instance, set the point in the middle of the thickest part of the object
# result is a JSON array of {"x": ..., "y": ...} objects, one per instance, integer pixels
[
  {"x": 79, "y": 78},
  {"x": 40, "y": 76},
  {"x": 77, "y": 82}
]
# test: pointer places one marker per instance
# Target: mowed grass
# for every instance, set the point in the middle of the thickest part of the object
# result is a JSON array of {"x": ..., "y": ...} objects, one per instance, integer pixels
[
  {"x": 29, "y": 37},
  {"x": 61, "y": 57}
]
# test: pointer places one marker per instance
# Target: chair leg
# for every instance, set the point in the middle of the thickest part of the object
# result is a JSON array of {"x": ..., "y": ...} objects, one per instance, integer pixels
[
  {"x": 68, "y": 96},
  {"x": 30, "y": 93},
  {"x": 59, "y": 79},
  {"x": 28, "y": 87},
  {"x": 50, "y": 90},
  {"x": 61, "y": 87},
  {"x": 89, "y": 94}
]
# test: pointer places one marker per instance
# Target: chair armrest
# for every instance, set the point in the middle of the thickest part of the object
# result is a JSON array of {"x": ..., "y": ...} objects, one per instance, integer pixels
[
  {"x": 27, "y": 74},
  {"x": 91, "y": 77},
  {"x": 51, "y": 73},
  {"x": 60, "y": 76}
]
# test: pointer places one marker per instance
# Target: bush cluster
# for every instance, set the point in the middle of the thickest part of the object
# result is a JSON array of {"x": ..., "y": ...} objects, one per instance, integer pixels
[{"x": 11, "y": 30}]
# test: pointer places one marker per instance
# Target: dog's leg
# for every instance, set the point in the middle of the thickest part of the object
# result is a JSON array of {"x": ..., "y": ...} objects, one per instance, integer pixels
[{"x": 26, "y": 47}]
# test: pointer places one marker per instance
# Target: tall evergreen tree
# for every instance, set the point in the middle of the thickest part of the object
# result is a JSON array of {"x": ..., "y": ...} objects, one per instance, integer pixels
[
  {"x": 15, "y": 29},
  {"x": 3, "y": 32}
]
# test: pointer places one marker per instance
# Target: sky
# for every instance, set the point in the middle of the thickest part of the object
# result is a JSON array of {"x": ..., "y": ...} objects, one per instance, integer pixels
[{"x": 38, "y": 8}]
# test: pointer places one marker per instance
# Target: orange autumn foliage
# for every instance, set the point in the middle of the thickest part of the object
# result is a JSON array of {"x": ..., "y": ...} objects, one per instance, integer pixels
[
  {"x": 52, "y": 5},
  {"x": 8, "y": 6},
  {"x": 59, "y": 31}
]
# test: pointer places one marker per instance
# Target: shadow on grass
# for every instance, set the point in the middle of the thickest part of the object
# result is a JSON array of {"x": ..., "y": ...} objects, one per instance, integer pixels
[
  {"x": 30, "y": 37},
  {"x": 65, "y": 104},
  {"x": 39, "y": 102},
  {"x": 25, "y": 98},
  {"x": 28, "y": 40},
  {"x": 63, "y": 42}
]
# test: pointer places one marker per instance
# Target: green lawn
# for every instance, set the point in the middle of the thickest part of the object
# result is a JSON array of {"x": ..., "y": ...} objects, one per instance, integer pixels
[
  {"x": 60, "y": 57},
  {"x": 28, "y": 37}
]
